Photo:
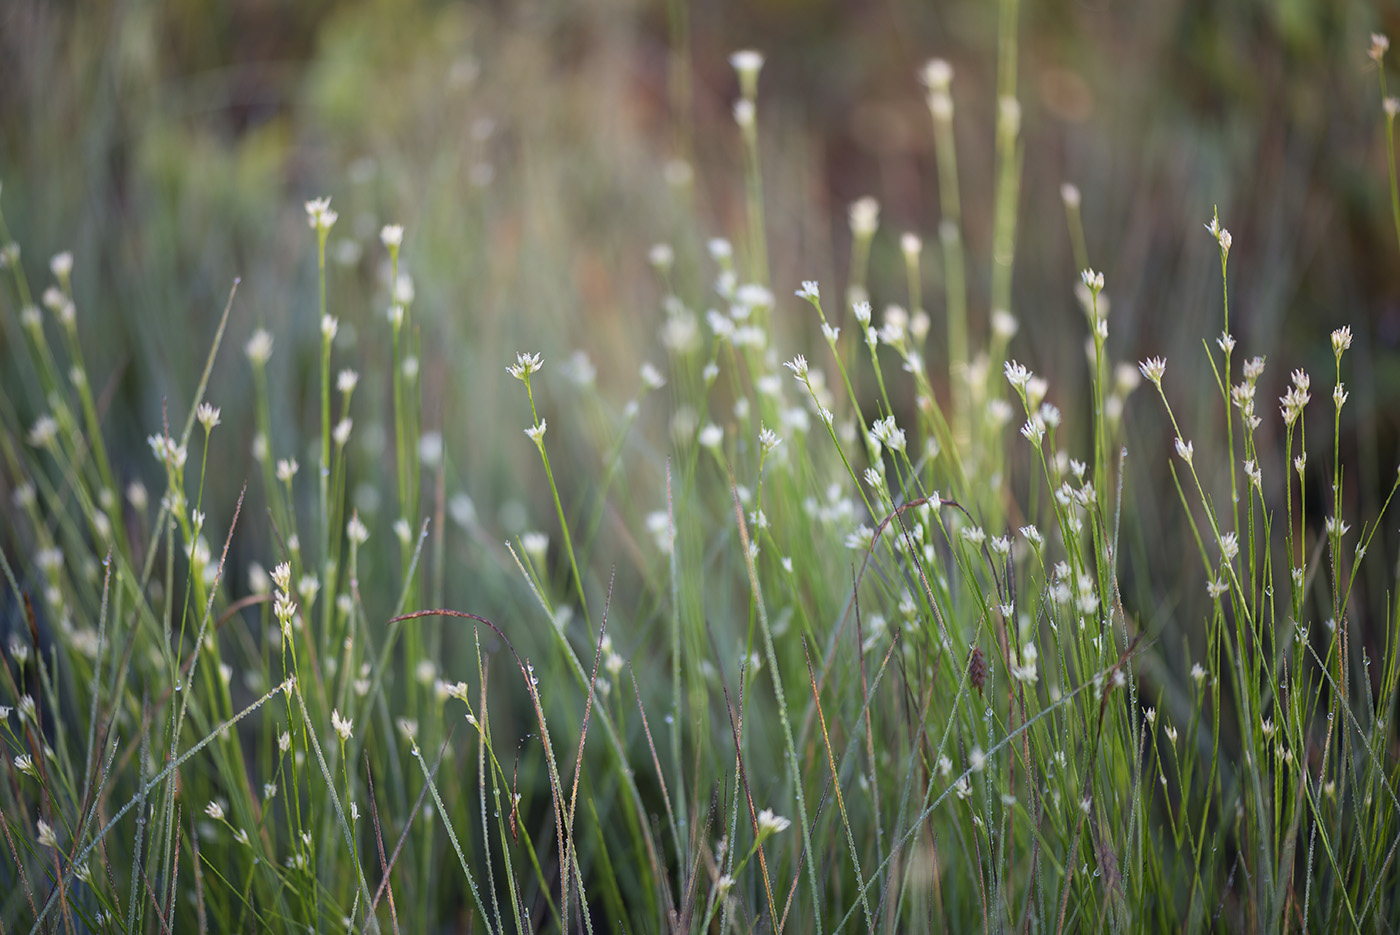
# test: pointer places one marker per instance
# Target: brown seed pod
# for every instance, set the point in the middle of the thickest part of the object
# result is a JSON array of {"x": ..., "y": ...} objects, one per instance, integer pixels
[{"x": 977, "y": 669}]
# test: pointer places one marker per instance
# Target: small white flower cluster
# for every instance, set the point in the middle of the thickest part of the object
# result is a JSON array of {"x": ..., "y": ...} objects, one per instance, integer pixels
[
  {"x": 283, "y": 607},
  {"x": 886, "y": 432},
  {"x": 525, "y": 365},
  {"x": 1291, "y": 403},
  {"x": 320, "y": 216},
  {"x": 1221, "y": 235},
  {"x": 168, "y": 451}
]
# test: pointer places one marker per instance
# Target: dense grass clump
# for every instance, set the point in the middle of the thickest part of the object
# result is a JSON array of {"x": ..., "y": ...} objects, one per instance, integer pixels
[{"x": 838, "y": 621}]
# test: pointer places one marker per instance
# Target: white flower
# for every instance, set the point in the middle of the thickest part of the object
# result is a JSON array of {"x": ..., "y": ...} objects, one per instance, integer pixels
[
  {"x": 936, "y": 75},
  {"x": 525, "y": 364},
  {"x": 25, "y": 764},
  {"x": 862, "y": 313},
  {"x": 1229, "y": 546},
  {"x": 652, "y": 378},
  {"x": 711, "y": 436},
  {"x": 208, "y": 416},
  {"x": 168, "y": 451},
  {"x": 403, "y": 530},
  {"x": 214, "y": 810},
  {"x": 47, "y": 838},
  {"x": 864, "y": 216},
  {"x": 1092, "y": 280},
  {"x": 1017, "y": 374},
  {"x": 1339, "y": 395},
  {"x": 391, "y": 235},
  {"x": 770, "y": 823},
  {"x": 536, "y": 545},
  {"x": 259, "y": 347},
  {"x": 861, "y": 538},
  {"x": 798, "y": 365},
  {"x": 536, "y": 433},
  {"x": 341, "y": 432},
  {"x": 977, "y": 760},
  {"x": 744, "y": 114},
  {"x": 287, "y": 469},
  {"x": 343, "y": 726},
  {"x": 769, "y": 440},
  {"x": 43, "y": 432},
  {"x": 1170, "y": 731},
  {"x": 62, "y": 264},
  {"x": 889, "y": 434},
  {"x": 1379, "y": 45},
  {"x": 809, "y": 291},
  {"x": 1069, "y": 194},
  {"x": 661, "y": 255},
  {"x": 356, "y": 532},
  {"x": 1198, "y": 674},
  {"x": 1341, "y": 339},
  {"x": 1185, "y": 450},
  {"x": 319, "y": 214},
  {"x": 1153, "y": 368}
]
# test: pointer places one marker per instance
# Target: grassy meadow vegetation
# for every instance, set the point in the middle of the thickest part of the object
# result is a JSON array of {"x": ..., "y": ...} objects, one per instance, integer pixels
[{"x": 499, "y": 468}]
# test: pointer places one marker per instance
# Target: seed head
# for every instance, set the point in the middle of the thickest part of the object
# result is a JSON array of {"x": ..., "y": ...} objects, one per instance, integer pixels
[
  {"x": 977, "y": 670},
  {"x": 343, "y": 726}
]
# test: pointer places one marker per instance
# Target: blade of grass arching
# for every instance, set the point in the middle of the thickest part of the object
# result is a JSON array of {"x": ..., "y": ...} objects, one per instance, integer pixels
[
  {"x": 840, "y": 799},
  {"x": 451, "y": 833}
]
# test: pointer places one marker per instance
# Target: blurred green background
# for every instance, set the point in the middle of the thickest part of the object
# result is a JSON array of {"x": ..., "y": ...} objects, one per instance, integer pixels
[{"x": 535, "y": 150}]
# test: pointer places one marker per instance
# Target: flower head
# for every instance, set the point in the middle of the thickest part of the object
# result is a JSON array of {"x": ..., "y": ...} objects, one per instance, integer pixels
[
  {"x": 343, "y": 725},
  {"x": 391, "y": 235},
  {"x": 770, "y": 823},
  {"x": 208, "y": 416},
  {"x": 1341, "y": 340},
  {"x": 525, "y": 364},
  {"x": 259, "y": 347}
]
